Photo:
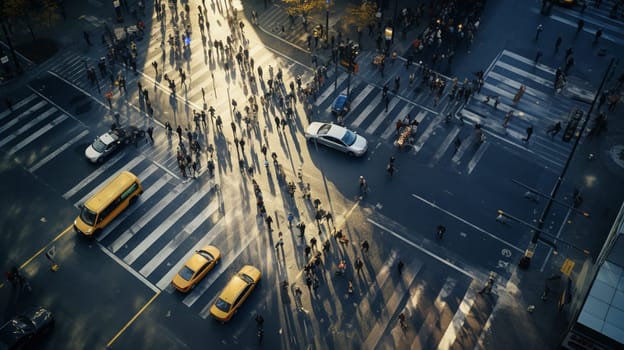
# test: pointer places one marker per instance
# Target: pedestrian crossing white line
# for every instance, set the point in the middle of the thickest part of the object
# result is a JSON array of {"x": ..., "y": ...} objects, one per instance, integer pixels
[
  {"x": 25, "y": 127},
  {"x": 526, "y": 61},
  {"x": 157, "y": 259},
  {"x": 17, "y": 106},
  {"x": 426, "y": 134},
  {"x": 26, "y": 113},
  {"x": 147, "y": 194},
  {"x": 33, "y": 136},
  {"x": 458, "y": 321},
  {"x": 128, "y": 166},
  {"x": 384, "y": 116},
  {"x": 441, "y": 306},
  {"x": 163, "y": 227},
  {"x": 528, "y": 76},
  {"x": 58, "y": 151},
  {"x": 477, "y": 157},
  {"x": 71, "y": 192},
  {"x": 515, "y": 85},
  {"x": 467, "y": 143},
  {"x": 370, "y": 106},
  {"x": 445, "y": 145},
  {"x": 143, "y": 220}
]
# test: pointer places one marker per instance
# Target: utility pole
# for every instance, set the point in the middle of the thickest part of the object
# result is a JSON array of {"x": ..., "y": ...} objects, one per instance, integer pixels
[{"x": 525, "y": 261}]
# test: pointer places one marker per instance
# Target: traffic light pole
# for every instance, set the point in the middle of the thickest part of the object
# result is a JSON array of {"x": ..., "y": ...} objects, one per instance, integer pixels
[{"x": 525, "y": 261}]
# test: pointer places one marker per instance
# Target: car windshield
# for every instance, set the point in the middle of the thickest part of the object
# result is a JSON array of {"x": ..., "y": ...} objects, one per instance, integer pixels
[
  {"x": 186, "y": 273},
  {"x": 98, "y": 145},
  {"x": 324, "y": 129},
  {"x": 349, "y": 137},
  {"x": 88, "y": 216},
  {"x": 246, "y": 278},
  {"x": 223, "y": 305},
  {"x": 206, "y": 255}
]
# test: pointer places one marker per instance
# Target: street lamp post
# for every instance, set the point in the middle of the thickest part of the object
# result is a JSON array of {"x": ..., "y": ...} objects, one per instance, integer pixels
[{"x": 525, "y": 261}]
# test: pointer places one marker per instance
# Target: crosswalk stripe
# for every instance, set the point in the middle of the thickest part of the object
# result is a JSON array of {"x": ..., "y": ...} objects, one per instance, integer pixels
[
  {"x": 17, "y": 106},
  {"x": 174, "y": 243},
  {"x": 21, "y": 116},
  {"x": 445, "y": 144},
  {"x": 329, "y": 91},
  {"x": 33, "y": 136},
  {"x": 475, "y": 159},
  {"x": 58, "y": 151},
  {"x": 147, "y": 194},
  {"x": 370, "y": 106},
  {"x": 441, "y": 306},
  {"x": 163, "y": 227},
  {"x": 457, "y": 322},
  {"x": 143, "y": 220},
  {"x": 385, "y": 116},
  {"x": 426, "y": 134},
  {"x": 100, "y": 170}
]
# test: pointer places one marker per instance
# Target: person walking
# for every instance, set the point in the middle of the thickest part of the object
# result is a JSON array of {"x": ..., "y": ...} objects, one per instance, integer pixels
[
  {"x": 558, "y": 43},
  {"x": 597, "y": 35},
  {"x": 364, "y": 246},
  {"x": 457, "y": 144},
  {"x": 301, "y": 226},
  {"x": 489, "y": 284},
  {"x": 400, "y": 266},
  {"x": 109, "y": 98},
  {"x": 529, "y": 132},
  {"x": 280, "y": 241},
  {"x": 554, "y": 129},
  {"x": 179, "y": 131},
  {"x": 269, "y": 221},
  {"x": 441, "y": 229},
  {"x": 291, "y": 217},
  {"x": 539, "y": 30},
  {"x": 155, "y": 65},
  {"x": 150, "y": 132}
]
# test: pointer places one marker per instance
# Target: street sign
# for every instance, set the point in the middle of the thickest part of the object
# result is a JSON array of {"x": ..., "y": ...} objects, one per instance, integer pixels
[{"x": 567, "y": 266}]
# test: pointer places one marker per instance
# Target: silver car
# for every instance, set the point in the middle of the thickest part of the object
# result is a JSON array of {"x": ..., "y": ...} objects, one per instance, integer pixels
[{"x": 337, "y": 137}]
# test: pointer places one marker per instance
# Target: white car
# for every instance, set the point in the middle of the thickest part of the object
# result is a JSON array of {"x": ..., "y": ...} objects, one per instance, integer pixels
[
  {"x": 337, "y": 137},
  {"x": 108, "y": 143}
]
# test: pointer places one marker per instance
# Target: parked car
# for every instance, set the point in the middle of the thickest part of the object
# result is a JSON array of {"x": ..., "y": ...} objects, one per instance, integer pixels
[
  {"x": 196, "y": 268},
  {"x": 22, "y": 329},
  {"x": 337, "y": 137},
  {"x": 341, "y": 105},
  {"x": 111, "y": 141},
  {"x": 235, "y": 293}
]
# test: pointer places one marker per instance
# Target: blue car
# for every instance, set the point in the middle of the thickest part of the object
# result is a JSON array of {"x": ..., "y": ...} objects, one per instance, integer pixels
[{"x": 341, "y": 105}]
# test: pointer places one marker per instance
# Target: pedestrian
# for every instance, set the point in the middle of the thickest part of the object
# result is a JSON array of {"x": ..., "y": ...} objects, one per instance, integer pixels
[
  {"x": 554, "y": 129},
  {"x": 558, "y": 43},
  {"x": 387, "y": 102},
  {"x": 195, "y": 166},
  {"x": 538, "y": 55},
  {"x": 579, "y": 25},
  {"x": 179, "y": 131},
  {"x": 291, "y": 217},
  {"x": 203, "y": 95},
  {"x": 487, "y": 288},
  {"x": 529, "y": 132},
  {"x": 313, "y": 242},
  {"x": 109, "y": 98},
  {"x": 400, "y": 266},
  {"x": 301, "y": 226},
  {"x": 269, "y": 221},
  {"x": 441, "y": 230},
  {"x": 155, "y": 65},
  {"x": 150, "y": 132},
  {"x": 263, "y": 149},
  {"x": 364, "y": 246},
  {"x": 597, "y": 35},
  {"x": 496, "y": 102},
  {"x": 358, "y": 264},
  {"x": 457, "y": 144},
  {"x": 540, "y": 28},
  {"x": 307, "y": 250},
  {"x": 280, "y": 241},
  {"x": 86, "y": 38}
]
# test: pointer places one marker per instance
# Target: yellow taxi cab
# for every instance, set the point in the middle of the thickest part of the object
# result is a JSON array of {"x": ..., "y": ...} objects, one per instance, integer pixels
[
  {"x": 235, "y": 293},
  {"x": 196, "y": 268}
]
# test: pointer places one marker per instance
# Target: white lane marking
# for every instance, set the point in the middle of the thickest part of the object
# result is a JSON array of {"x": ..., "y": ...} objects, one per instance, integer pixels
[
  {"x": 151, "y": 265},
  {"x": 25, "y": 127},
  {"x": 17, "y": 106},
  {"x": 142, "y": 221},
  {"x": 459, "y": 318},
  {"x": 467, "y": 223},
  {"x": 58, "y": 151},
  {"x": 440, "y": 259},
  {"x": 382, "y": 116},
  {"x": 129, "y": 269},
  {"x": 426, "y": 134},
  {"x": 92, "y": 176},
  {"x": 128, "y": 166},
  {"x": 477, "y": 156},
  {"x": 147, "y": 193},
  {"x": 27, "y": 113},
  {"x": 370, "y": 106},
  {"x": 465, "y": 145},
  {"x": 445, "y": 145},
  {"x": 550, "y": 249},
  {"x": 163, "y": 227},
  {"x": 328, "y": 92},
  {"x": 35, "y": 135}
]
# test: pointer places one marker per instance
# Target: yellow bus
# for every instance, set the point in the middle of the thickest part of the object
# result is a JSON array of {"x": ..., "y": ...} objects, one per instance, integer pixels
[{"x": 109, "y": 202}]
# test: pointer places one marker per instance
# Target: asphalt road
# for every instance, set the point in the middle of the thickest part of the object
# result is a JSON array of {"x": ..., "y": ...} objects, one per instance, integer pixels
[{"x": 113, "y": 291}]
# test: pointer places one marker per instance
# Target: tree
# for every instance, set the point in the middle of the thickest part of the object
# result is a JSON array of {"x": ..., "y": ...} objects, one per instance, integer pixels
[
  {"x": 30, "y": 12},
  {"x": 361, "y": 15},
  {"x": 299, "y": 7}
]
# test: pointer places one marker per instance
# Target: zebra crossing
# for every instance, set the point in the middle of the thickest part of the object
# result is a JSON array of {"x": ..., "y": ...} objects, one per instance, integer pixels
[
  {"x": 539, "y": 107},
  {"x": 594, "y": 18}
]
